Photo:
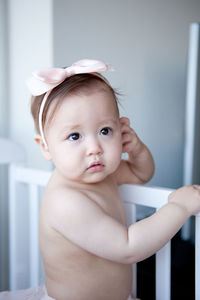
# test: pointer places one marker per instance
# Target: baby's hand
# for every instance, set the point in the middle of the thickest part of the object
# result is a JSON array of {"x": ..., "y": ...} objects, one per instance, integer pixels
[
  {"x": 188, "y": 197},
  {"x": 130, "y": 141},
  {"x": 139, "y": 166}
]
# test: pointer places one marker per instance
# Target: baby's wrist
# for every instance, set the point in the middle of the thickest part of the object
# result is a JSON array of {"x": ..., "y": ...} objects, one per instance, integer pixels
[
  {"x": 181, "y": 207},
  {"x": 138, "y": 150}
]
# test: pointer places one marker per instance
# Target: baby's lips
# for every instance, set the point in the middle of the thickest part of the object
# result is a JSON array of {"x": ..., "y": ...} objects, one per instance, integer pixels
[{"x": 95, "y": 164}]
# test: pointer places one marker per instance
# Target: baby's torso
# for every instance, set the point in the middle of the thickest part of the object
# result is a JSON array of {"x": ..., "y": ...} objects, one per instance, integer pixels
[{"x": 73, "y": 273}]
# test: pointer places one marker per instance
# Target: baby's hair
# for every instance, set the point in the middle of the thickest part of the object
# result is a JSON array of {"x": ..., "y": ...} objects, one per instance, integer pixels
[{"x": 74, "y": 85}]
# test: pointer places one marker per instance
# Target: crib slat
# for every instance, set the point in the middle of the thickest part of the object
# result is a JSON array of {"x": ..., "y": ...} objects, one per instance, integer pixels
[
  {"x": 12, "y": 229},
  {"x": 130, "y": 210},
  {"x": 163, "y": 273},
  {"x": 34, "y": 248},
  {"x": 197, "y": 257}
]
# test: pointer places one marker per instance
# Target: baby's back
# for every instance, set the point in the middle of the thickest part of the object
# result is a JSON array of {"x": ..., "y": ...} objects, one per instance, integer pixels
[{"x": 73, "y": 273}]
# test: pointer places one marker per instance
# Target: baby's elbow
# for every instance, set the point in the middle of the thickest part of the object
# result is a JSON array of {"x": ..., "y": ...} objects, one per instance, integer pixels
[
  {"x": 127, "y": 260},
  {"x": 128, "y": 256},
  {"x": 130, "y": 253}
]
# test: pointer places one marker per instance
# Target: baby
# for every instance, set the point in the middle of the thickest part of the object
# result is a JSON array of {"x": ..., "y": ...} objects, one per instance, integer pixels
[{"x": 86, "y": 247}]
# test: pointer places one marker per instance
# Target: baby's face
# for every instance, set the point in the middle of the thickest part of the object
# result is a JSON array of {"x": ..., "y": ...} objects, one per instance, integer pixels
[{"x": 84, "y": 137}]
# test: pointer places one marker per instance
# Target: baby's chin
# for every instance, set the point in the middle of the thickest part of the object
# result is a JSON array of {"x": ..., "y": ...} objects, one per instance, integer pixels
[{"x": 96, "y": 177}]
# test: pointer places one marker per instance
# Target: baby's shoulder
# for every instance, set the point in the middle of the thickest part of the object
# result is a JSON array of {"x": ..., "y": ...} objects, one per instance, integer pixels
[{"x": 64, "y": 199}]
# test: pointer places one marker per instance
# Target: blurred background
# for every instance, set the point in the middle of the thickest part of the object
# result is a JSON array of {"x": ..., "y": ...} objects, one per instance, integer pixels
[{"x": 147, "y": 43}]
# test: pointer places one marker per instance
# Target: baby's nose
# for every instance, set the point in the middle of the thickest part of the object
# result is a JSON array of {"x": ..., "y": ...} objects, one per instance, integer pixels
[{"x": 94, "y": 147}]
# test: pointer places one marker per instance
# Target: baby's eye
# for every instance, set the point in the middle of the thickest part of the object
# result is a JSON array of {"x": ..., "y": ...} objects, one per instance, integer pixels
[
  {"x": 74, "y": 136},
  {"x": 106, "y": 131}
]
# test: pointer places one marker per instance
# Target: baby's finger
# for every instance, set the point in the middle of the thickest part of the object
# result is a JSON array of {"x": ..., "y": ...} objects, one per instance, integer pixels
[
  {"x": 125, "y": 129},
  {"x": 126, "y": 148},
  {"x": 196, "y": 186},
  {"x": 126, "y": 138},
  {"x": 124, "y": 121}
]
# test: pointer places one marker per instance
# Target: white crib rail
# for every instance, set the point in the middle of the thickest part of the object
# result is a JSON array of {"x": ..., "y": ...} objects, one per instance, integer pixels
[
  {"x": 34, "y": 179},
  {"x": 131, "y": 195}
]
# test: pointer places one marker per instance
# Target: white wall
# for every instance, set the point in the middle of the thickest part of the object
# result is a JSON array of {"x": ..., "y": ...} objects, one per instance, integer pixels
[
  {"x": 147, "y": 42},
  {"x": 30, "y": 41},
  {"x": 3, "y": 133}
]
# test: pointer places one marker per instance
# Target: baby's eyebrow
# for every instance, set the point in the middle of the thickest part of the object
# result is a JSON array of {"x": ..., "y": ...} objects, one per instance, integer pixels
[
  {"x": 109, "y": 121},
  {"x": 71, "y": 127}
]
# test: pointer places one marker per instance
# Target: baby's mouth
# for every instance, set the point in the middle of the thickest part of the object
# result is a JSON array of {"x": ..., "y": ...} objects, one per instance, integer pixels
[{"x": 97, "y": 166}]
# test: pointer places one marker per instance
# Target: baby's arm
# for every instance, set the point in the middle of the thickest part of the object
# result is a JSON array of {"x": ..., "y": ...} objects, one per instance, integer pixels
[
  {"x": 86, "y": 224},
  {"x": 139, "y": 167}
]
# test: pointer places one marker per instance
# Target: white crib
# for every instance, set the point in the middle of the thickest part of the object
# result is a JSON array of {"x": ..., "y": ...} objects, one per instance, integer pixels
[{"x": 24, "y": 196}]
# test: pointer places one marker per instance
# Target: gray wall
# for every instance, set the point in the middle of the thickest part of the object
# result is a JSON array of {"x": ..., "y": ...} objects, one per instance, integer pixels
[
  {"x": 4, "y": 122},
  {"x": 147, "y": 43}
]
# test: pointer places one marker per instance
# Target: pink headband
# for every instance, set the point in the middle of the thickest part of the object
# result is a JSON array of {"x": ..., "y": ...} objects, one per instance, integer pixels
[{"x": 43, "y": 81}]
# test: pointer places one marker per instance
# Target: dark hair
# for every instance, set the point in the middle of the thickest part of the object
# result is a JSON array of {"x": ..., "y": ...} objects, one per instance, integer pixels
[{"x": 76, "y": 84}]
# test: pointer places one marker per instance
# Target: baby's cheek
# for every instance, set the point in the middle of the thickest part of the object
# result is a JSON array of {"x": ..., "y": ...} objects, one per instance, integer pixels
[{"x": 115, "y": 154}]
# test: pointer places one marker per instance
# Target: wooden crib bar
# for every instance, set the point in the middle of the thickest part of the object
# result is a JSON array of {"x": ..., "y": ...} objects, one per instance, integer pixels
[
  {"x": 33, "y": 178},
  {"x": 131, "y": 195},
  {"x": 12, "y": 230},
  {"x": 33, "y": 223},
  {"x": 163, "y": 273}
]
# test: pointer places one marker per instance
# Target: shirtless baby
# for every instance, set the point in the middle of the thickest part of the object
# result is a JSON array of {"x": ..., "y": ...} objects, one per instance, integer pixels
[{"x": 86, "y": 247}]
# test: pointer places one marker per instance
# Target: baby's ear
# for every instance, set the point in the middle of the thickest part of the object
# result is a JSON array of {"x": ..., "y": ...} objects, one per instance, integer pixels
[{"x": 44, "y": 148}]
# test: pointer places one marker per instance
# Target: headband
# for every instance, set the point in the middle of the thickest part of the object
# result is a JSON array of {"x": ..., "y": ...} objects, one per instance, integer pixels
[{"x": 45, "y": 80}]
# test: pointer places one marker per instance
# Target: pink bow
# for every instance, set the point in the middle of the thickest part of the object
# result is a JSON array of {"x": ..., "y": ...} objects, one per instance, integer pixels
[{"x": 46, "y": 79}]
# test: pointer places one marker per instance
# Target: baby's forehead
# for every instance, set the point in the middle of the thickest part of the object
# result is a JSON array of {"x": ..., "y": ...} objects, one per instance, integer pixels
[
  {"x": 96, "y": 87},
  {"x": 85, "y": 88},
  {"x": 83, "y": 93}
]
